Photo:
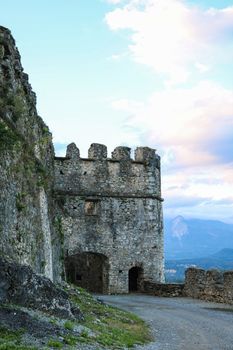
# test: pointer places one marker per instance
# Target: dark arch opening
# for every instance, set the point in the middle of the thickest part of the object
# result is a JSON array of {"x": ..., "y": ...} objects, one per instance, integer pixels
[
  {"x": 88, "y": 270},
  {"x": 135, "y": 279}
]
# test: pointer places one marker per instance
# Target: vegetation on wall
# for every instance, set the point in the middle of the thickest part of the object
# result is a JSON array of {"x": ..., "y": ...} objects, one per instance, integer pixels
[
  {"x": 20, "y": 201},
  {"x": 13, "y": 102},
  {"x": 7, "y": 137}
]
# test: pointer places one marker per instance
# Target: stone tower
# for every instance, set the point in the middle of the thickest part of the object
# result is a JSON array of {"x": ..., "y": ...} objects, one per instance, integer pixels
[{"x": 110, "y": 213}]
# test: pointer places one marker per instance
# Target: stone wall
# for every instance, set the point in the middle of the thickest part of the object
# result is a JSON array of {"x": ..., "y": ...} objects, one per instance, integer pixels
[
  {"x": 112, "y": 206},
  {"x": 26, "y": 170},
  {"x": 163, "y": 289},
  {"x": 212, "y": 285}
]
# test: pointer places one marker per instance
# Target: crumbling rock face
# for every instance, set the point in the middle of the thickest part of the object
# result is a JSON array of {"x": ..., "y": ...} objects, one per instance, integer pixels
[
  {"x": 27, "y": 233},
  {"x": 20, "y": 285}
]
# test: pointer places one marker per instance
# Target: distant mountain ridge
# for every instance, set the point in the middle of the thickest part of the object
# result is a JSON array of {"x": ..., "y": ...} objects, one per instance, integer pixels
[
  {"x": 222, "y": 260},
  {"x": 196, "y": 238},
  {"x": 223, "y": 255}
]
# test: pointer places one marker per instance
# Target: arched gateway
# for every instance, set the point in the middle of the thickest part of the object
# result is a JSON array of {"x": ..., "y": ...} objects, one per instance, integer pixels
[{"x": 88, "y": 270}]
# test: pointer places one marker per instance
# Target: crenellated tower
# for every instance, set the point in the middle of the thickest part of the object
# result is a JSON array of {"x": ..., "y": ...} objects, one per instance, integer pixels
[{"x": 111, "y": 215}]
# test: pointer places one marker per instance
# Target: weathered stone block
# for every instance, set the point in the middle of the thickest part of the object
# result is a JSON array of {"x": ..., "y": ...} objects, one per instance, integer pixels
[
  {"x": 145, "y": 154},
  {"x": 72, "y": 151},
  {"x": 97, "y": 151},
  {"x": 195, "y": 280},
  {"x": 121, "y": 153}
]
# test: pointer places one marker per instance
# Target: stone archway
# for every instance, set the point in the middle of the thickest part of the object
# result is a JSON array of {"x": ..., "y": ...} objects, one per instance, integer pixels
[
  {"x": 135, "y": 279},
  {"x": 88, "y": 270}
]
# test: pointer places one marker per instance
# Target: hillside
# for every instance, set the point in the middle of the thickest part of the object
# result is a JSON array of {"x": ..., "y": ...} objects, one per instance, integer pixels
[{"x": 195, "y": 238}]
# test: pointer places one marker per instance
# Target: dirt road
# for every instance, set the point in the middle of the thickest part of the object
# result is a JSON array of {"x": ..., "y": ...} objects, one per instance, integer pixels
[{"x": 181, "y": 323}]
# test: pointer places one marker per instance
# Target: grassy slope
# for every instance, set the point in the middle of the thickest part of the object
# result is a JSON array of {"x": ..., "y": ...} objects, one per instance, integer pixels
[
  {"x": 114, "y": 328},
  {"x": 103, "y": 326}
]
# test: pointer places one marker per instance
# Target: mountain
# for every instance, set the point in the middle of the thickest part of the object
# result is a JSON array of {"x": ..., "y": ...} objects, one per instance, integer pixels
[
  {"x": 223, "y": 255},
  {"x": 175, "y": 269},
  {"x": 195, "y": 238}
]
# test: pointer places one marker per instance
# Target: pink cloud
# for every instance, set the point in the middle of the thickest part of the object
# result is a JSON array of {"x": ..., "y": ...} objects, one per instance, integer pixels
[
  {"x": 183, "y": 121},
  {"x": 173, "y": 37}
]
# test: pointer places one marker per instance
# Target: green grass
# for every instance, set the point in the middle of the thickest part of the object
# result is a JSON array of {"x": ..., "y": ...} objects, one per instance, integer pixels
[
  {"x": 71, "y": 340},
  {"x": 55, "y": 344},
  {"x": 11, "y": 340},
  {"x": 69, "y": 325},
  {"x": 114, "y": 328}
]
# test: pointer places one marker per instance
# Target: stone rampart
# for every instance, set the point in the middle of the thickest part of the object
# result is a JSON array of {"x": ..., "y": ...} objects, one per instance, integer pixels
[{"x": 211, "y": 285}]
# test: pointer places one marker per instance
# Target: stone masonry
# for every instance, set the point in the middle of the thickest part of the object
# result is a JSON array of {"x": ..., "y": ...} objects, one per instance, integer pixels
[
  {"x": 111, "y": 215},
  {"x": 211, "y": 285}
]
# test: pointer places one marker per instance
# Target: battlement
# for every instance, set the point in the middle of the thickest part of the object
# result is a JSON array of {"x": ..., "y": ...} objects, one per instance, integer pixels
[
  {"x": 99, "y": 175},
  {"x": 99, "y": 152}
]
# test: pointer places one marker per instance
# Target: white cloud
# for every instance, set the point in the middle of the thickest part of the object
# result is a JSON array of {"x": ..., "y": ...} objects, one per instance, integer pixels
[
  {"x": 173, "y": 37},
  {"x": 192, "y": 127},
  {"x": 189, "y": 127},
  {"x": 203, "y": 193},
  {"x": 184, "y": 122},
  {"x": 202, "y": 67}
]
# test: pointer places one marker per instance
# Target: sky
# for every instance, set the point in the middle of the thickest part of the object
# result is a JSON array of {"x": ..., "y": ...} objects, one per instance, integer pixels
[{"x": 155, "y": 73}]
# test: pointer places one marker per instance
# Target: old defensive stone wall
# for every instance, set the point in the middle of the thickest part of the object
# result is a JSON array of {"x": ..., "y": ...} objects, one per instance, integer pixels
[
  {"x": 111, "y": 207},
  {"x": 212, "y": 285},
  {"x": 26, "y": 170},
  {"x": 163, "y": 289}
]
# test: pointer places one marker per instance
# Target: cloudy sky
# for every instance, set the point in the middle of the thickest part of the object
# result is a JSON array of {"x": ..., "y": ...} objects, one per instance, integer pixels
[{"x": 157, "y": 73}]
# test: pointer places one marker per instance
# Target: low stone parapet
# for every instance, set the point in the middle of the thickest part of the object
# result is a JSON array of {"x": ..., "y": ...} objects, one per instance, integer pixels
[
  {"x": 228, "y": 286},
  {"x": 211, "y": 285}
]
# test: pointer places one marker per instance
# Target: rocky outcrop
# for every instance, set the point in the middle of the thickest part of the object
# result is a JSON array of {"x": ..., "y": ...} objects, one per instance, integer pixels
[
  {"x": 21, "y": 286},
  {"x": 27, "y": 231}
]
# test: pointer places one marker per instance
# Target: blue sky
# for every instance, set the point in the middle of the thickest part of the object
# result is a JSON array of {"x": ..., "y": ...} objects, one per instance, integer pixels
[{"x": 138, "y": 72}]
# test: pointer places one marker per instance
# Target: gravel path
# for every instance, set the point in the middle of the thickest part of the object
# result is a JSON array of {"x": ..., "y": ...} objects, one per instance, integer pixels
[{"x": 181, "y": 323}]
